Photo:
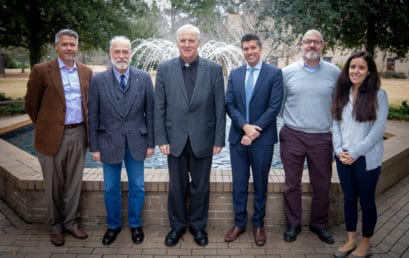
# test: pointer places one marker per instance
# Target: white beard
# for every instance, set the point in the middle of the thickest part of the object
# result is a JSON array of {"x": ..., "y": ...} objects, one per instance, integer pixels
[
  {"x": 120, "y": 66},
  {"x": 311, "y": 55}
]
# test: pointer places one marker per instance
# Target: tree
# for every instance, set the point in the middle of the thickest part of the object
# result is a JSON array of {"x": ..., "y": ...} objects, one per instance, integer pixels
[
  {"x": 372, "y": 24},
  {"x": 32, "y": 24}
]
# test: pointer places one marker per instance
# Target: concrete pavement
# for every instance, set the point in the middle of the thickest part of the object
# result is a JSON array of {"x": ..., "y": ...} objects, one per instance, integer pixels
[{"x": 391, "y": 239}]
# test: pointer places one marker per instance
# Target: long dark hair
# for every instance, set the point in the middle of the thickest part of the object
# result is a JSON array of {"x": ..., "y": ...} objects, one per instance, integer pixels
[{"x": 366, "y": 102}]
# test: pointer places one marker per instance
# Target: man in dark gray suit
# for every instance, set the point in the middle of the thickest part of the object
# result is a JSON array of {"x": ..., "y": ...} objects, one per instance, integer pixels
[
  {"x": 121, "y": 108},
  {"x": 189, "y": 128}
]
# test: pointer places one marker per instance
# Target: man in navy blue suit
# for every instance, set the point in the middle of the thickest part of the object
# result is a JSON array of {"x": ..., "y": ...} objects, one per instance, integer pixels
[{"x": 253, "y": 101}]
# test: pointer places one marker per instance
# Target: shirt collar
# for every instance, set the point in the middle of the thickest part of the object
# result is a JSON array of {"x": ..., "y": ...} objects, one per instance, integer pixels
[
  {"x": 193, "y": 63},
  {"x": 62, "y": 66},
  {"x": 310, "y": 68},
  {"x": 117, "y": 74},
  {"x": 256, "y": 67}
]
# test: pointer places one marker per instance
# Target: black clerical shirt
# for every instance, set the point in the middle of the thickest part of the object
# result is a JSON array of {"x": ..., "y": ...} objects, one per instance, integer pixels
[{"x": 189, "y": 71}]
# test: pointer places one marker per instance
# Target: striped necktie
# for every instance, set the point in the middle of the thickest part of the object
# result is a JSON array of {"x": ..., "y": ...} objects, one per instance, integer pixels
[{"x": 122, "y": 82}]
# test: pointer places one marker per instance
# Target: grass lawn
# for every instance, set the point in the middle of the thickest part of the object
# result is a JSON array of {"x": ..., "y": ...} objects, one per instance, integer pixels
[{"x": 16, "y": 83}]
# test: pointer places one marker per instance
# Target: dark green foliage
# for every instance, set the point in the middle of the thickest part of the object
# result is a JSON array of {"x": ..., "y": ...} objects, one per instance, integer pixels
[
  {"x": 355, "y": 24},
  {"x": 399, "y": 113},
  {"x": 12, "y": 63},
  {"x": 393, "y": 75},
  {"x": 32, "y": 24},
  {"x": 12, "y": 109},
  {"x": 3, "y": 96}
]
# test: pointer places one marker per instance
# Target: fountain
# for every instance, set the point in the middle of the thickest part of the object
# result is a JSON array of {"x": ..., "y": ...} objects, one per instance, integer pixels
[{"x": 148, "y": 53}]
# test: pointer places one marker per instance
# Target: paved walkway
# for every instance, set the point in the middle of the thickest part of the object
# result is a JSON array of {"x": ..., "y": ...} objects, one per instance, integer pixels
[{"x": 18, "y": 239}]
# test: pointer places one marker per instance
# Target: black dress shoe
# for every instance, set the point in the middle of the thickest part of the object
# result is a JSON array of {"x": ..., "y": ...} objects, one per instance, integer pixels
[
  {"x": 291, "y": 234},
  {"x": 200, "y": 236},
  {"x": 137, "y": 235},
  {"x": 110, "y": 236},
  {"x": 323, "y": 234},
  {"x": 172, "y": 238}
]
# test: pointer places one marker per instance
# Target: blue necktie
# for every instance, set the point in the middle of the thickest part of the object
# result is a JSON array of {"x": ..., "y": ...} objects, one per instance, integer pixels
[
  {"x": 249, "y": 90},
  {"x": 122, "y": 82}
]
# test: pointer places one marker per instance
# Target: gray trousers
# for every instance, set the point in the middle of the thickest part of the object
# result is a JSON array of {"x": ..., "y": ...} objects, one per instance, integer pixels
[{"x": 62, "y": 175}]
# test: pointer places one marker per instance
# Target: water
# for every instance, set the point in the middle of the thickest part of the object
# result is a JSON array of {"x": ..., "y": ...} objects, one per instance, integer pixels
[
  {"x": 23, "y": 138},
  {"x": 148, "y": 53}
]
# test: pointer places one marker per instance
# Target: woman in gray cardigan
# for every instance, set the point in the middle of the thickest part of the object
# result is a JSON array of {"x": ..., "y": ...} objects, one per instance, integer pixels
[{"x": 360, "y": 111}]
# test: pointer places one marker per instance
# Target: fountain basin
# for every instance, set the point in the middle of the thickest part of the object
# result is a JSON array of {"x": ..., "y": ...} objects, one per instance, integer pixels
[{"x": 22, "y": 188}]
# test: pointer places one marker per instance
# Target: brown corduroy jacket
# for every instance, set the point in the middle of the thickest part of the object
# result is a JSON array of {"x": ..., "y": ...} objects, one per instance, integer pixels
[{"x": 45, "y": 103}]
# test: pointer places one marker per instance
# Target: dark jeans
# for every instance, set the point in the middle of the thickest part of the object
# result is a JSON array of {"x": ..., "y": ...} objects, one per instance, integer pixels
[{"x": 358, "y": 183}]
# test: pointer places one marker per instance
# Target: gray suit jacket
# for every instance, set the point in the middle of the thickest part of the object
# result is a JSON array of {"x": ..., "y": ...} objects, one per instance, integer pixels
[
  {"x": 202, "y": 120},
  {"x": 110, "y": 128}
]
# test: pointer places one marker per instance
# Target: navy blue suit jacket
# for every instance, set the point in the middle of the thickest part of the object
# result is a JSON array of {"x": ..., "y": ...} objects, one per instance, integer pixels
[{"x": 265, "y": 103}]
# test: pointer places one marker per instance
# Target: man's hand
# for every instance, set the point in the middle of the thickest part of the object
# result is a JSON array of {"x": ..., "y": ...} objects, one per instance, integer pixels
[
  {"x": 217, "y": 150},
  {"x": 96, "y": 156},
  {"x": 150, "y": 152},
  {"x": 165, "y": 149},
  {"x": 245, "y": 140},
  {"x": 252, "y": 131}
]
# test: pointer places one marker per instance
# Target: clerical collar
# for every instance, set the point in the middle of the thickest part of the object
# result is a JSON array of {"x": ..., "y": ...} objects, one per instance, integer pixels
[{"x": 184, "y": 64}]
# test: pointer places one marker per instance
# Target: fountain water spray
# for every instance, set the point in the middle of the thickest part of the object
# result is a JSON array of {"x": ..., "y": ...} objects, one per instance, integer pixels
[{"x": 148, "y": 53}]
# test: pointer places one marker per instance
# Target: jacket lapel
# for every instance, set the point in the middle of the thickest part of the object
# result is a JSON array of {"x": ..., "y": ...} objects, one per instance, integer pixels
[
  {"x": 55, "y": 76},
  {"x": 242, "y": 88},
  {"x": 110, "y": 89},
  {"x": 83, "y": 81},
  {"x": 260, "y": 78},
  {"x": 179, "y": 78},
  {"x": 134, "y": 83}
]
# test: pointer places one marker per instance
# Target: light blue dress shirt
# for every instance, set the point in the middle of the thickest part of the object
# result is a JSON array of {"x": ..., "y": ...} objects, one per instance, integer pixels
[{"x": 72, "y": 92}]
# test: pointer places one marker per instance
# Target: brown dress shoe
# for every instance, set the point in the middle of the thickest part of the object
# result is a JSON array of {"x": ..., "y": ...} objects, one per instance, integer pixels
[
  {"x": 78, "y": 232},
  {"x": 233, "y": 234},
  {"x": 57, "y": 239},
  {"x": 259, "y": 236}
]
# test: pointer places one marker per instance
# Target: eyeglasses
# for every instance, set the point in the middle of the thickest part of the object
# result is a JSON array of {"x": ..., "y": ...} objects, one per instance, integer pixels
[
  {"x": 119, "y": 51},
  {"x": 309, "y": 41}
]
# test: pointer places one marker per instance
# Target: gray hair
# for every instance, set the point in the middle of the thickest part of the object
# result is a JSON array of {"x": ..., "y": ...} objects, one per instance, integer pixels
[
  {"x": 66, "y": 32},
  {"x": 188, "y": 28},
  {"x": 121, "y": 39},
  {"x": 309, "y": 32}
]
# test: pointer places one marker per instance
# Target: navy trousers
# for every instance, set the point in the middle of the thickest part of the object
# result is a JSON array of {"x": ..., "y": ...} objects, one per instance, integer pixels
[
  {"x": 358, "y": 183},
  {"x": 259, "y": 159}
]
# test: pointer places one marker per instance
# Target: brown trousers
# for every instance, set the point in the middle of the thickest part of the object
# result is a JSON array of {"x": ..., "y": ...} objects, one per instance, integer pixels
[{"x": 316, "y": 148}]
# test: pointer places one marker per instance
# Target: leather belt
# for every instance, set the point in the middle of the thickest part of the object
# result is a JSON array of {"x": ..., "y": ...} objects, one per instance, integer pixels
[{"x": 71, "y": 126}]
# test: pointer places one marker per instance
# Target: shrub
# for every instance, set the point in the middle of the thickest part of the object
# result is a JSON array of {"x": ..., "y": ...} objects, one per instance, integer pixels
[
  {"x": 10, "y": 109},
  {"x": 3, "y": 96},
  {"x": 13, "y": 63},
  {"x": 393, "y": 75},
  {"x": 399, "y": 113}
]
